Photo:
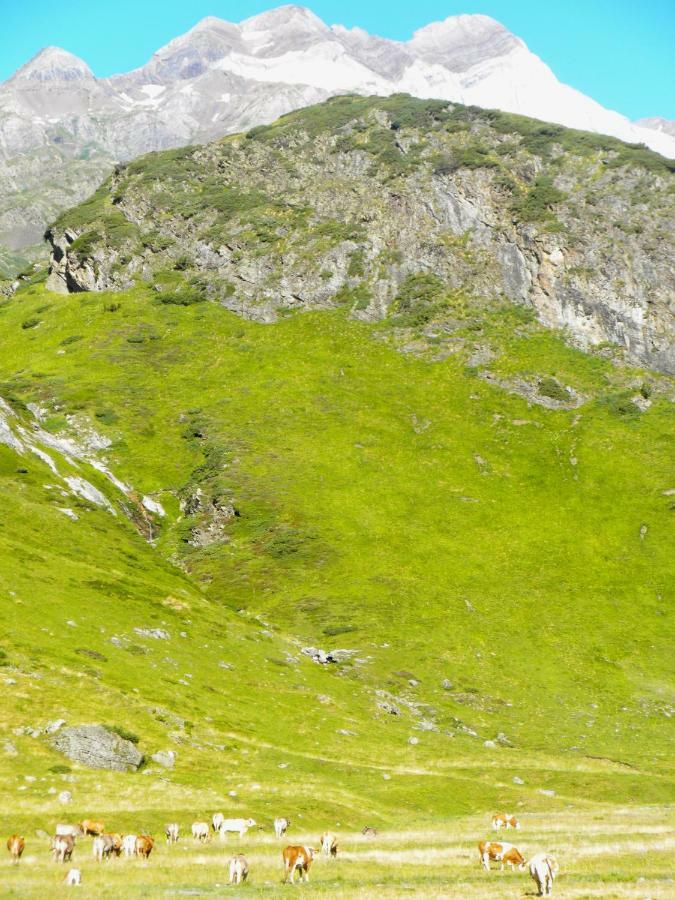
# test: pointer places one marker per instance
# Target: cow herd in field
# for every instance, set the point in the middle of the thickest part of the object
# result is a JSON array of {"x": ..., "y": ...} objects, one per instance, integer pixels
[{"x": 297, "y": 858}]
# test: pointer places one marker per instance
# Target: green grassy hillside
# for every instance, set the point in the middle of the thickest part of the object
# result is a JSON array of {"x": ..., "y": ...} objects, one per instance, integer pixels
[
  {"x": 403, "y": 507},
  {"x": 480, "y": 513}
]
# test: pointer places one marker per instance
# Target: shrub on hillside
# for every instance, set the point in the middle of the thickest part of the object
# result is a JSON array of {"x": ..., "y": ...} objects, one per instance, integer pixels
[
  {"x": 123, "y": 732},
  {"x": 551, "y": 387}
]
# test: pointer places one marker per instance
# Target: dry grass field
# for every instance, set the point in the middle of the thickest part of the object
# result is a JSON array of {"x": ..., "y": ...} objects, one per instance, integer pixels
[{"x": 602, "y": 853}]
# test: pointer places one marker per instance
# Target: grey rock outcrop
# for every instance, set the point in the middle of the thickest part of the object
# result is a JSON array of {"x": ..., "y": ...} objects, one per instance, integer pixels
[
  {"x": 165, "y": 758},
  {"x": 98, "y": 748},
  {"x": 588, "y": 254}
]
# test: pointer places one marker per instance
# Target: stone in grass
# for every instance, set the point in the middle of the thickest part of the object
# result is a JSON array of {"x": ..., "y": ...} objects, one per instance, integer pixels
[
  {"x": 517, "y": 780},
  {"x": 65, "y": 797},
  {"x": 166, "y": 758},
  {"x": 53, "y": 727},
  {"x": 98, "y": 748}
]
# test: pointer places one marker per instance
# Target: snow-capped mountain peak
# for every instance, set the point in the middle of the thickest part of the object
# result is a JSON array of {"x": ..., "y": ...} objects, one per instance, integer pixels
[
  {"x": 221, "y": 77},
  {"x": 53, "y": 64}
]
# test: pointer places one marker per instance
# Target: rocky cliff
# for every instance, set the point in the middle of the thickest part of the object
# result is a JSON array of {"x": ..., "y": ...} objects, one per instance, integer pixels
[{"x": 400, "y": 209}]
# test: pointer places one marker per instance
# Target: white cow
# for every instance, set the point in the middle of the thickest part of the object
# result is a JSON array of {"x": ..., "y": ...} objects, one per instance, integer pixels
[
  {"x": 236, "y": 826},
  {"x": 74, "y": 877},
  {"x": 200, "y": 831},
  {"x": 129, "y": 845},
  {"x": 329, "y": 845},
  {"x": 73, "y": 831},
  {"x": 543, "y": 869},
  {"x": 281, "y": 826},
  {"x": 217, "y": 821},
  {"x": 172, "y": 830},
  {"x": 238, "y": 869}
]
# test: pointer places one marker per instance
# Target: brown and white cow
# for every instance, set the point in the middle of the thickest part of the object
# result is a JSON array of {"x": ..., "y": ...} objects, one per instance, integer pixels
[
  {"x": 15, "y": 845},
  {"x": 297, "y": 858},
  {"x": 502, "y": 853},
  {"x": 89, "y": 827},
  {"x": 106, "y": 845},
  {"x": 329, "y": 845},
  {"x": 62, "y": 847},
  {"x": 543, "y": 869},
  {"x": 504, "y": 820},
  {"x": 172, "y": 831},
  {"x": 144, "y": 845},
  {"x": 238, "y": 869},
  {"x": 369, "y": 832}
]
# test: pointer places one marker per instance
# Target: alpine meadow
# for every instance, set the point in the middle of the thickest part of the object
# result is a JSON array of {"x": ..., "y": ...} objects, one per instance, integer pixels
[{"x": 336, "y": 483}]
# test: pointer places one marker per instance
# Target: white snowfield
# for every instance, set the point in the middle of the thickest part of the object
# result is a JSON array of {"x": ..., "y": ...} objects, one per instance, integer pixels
[{"x": 217, "y": 65}]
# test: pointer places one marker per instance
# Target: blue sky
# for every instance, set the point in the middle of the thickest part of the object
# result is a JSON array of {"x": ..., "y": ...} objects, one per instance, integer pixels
[{"x": 621, "y": 52}]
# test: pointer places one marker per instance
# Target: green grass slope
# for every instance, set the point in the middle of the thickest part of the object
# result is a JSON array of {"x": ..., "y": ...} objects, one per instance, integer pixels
[
  {"x": 502, "y": 569},
  {"x": 477, "y": 512}
]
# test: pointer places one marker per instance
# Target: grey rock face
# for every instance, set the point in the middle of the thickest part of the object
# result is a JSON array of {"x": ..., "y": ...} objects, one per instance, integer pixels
[
  {"x": 98, "y": 748},
  {"x": 597, "y": 265}
]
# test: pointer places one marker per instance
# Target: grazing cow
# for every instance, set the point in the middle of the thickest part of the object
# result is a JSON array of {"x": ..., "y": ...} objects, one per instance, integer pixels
[
  {"x": 281, "y": 826},
  {"x": 106, "y": 845},
  {"x": 501, "y": 853},
  {"x": 238, "y": 869},
  {"x": 504, "y": 820},
  {"x": 329, "y": 845},
  {"x": 297, "y": 858},
  {"x": 74, "y": 877},
  {"x": 171, "y": 832},
  {"x": 543, "y": 869},
  {"x": 15, "y": 845},
  {"x": 74, "y": 831},
  {"x": 217, "y": 820},
  {"x": 236, "y": 826},
  {"x": 144, "y": 845},
  {"x": 369, "y": 832},
  {"x": 200, "y": 831},
  {"x": 89, "y": 827},
  {"x": 62, "y": 847},
  {"x": 129, "y": 845}
]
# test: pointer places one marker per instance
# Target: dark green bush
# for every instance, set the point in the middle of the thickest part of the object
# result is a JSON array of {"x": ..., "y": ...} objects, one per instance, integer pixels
[
  {"x": 551, "y": 387},
  {"x": 123, "y": 732},
  {"x": 536, "y": 205}
]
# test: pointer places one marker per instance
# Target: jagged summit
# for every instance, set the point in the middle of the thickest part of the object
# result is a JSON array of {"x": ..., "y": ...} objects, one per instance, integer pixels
[
  {"x": 460, "y": 42},
  {"x": 53, "y": 64},
  {"x": 657, "y": 123}
]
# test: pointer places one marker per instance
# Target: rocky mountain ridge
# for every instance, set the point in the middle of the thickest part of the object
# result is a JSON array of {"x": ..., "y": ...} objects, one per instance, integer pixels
[
  {"x": 400, "y": 209},
  {"x": 62, "y": 129}
]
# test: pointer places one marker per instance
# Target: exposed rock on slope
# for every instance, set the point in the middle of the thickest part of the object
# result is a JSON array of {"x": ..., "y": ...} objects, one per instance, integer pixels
[
  {"x": 61, "y": 128},
  {"x": 397, "y": 208},
  {"x": 98, "y": 748}
]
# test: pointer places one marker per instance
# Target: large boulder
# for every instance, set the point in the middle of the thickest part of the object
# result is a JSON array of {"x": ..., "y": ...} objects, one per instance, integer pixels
[{"x": 98, "y": 748}]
